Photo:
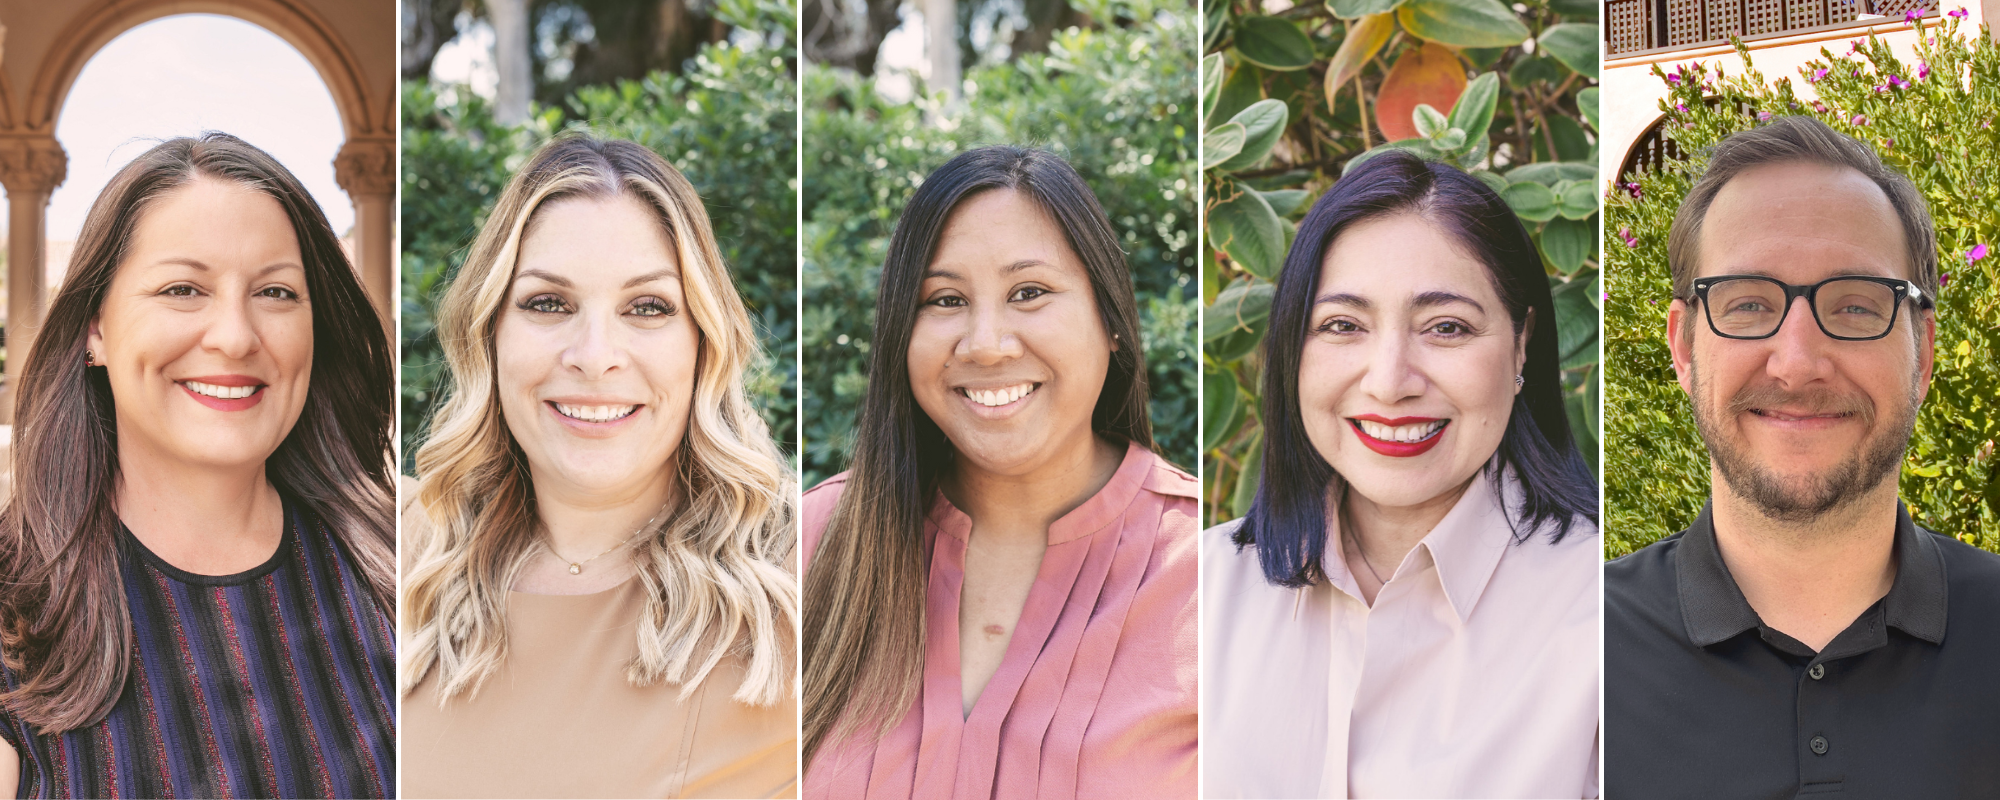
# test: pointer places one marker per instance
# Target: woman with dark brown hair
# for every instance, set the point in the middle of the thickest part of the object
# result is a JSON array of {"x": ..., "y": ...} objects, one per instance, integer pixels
[
  {"x": 197, "y": 569},
  {"x": 999, "y": 594}
]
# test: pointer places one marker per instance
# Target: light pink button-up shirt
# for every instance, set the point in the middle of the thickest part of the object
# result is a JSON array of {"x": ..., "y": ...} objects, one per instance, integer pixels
[
  {"x": 1474, "y": 675},
  {"x": 1095, "y": 697}
]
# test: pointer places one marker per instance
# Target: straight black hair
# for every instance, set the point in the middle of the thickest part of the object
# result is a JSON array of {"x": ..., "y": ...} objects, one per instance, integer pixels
[
  {"x": 864, "y": 591},
  {"x": 1287, "y": 519}
]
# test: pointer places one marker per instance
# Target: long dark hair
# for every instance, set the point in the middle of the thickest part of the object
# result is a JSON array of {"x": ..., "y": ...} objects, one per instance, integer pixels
[
  {"x": 1287, "y": 519},
  {"x": 64, "y": 625},
  {"x": 864, "y": 595}
]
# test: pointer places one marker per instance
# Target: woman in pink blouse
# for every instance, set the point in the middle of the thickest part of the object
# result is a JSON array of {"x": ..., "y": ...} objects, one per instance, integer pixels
[
  {"x": 1411, "y": 606},
  {"x": 999, "y": 594}
]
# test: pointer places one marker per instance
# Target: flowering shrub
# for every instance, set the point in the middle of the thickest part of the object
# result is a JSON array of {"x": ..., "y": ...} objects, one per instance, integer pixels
[{"x": 1931, "y": 120}]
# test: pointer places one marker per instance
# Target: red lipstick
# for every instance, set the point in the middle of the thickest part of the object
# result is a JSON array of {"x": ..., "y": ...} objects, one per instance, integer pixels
[{"x": 1397, "y": 449}]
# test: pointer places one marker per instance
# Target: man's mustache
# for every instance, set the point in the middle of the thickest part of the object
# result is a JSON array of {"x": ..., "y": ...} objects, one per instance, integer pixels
[{"x": 1811, "y": 401}]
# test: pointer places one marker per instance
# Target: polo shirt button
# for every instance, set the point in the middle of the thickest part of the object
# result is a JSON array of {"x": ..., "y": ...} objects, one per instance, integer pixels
[
  {"x": 1817, "y": 672},
  {"x": 1819, "y": 745}
]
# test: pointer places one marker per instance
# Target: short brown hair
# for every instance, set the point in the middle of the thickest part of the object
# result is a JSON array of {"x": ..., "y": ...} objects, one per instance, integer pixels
[{"x": 1795, "y": 139}]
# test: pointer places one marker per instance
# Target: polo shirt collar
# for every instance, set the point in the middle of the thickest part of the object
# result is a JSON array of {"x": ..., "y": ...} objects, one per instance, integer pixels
[{"x": 1714, "y": 609}]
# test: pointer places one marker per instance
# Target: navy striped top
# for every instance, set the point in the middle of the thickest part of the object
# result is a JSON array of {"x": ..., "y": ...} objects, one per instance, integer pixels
[{"x": 276, "y": 682}]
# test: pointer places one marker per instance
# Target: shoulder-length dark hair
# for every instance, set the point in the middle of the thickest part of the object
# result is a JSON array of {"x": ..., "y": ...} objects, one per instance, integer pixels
[
  {"x": 1287, "y": 519},
  {"x": 864, "y": 594},
  {"x": 64, "y": 624}
]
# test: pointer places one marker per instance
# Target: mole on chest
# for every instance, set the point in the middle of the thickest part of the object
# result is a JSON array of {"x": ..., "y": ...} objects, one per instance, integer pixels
[{"x": 995, "y": 631}]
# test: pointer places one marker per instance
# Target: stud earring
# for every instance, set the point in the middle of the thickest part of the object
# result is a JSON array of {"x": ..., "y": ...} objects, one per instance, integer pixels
[
  {"x": 88, "y": 359},
  {"x": 1519, "y": 381}
]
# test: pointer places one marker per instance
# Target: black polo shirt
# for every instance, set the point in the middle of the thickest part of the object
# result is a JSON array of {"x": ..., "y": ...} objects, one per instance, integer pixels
[{"x": 1702, "y": 700}]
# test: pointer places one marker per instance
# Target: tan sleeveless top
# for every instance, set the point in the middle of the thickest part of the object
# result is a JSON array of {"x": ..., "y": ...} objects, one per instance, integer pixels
[{"x": 559, "y": 719}]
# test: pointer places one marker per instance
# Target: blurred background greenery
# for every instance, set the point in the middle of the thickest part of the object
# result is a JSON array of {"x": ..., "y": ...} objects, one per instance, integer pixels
[
  {"x": 1295, "y": 94},
  {"x": 1098, "y": 86},
  {"x": 710, "y": 87},
  {"x": 1939, "y": 133}
]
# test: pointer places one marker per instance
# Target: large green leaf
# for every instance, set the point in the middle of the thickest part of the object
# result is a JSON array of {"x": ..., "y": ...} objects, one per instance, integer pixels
[
  {"x": 1356, "y": 9},
  {"x": 1243, "y": 226},
  {"x": 1473, "y": 113},
  {"x": 1285, "y": 201},
  {"x": 1221, "y": 144},
  {"x": 1574, "y": 44},
  {"x": 1364, "y": 39},
  {"x": 1568, "y": 242},
  {"x": 1531, "y": 200},
  {"x": 1528, "y": 69},
  {"x": 1582, "y": 413},
  {"x": 1575, "y": 9},
  {"x": 1575, "y": 199},
  {"x": 1576, "y": 319},
  {"x": 1245, "y": 85},
  {"x": 1273, "y": 43},
  {"x": 1218, "y": 405},
  {"x": 1586, "y": 102},
  {"x": 1244, "y": 306},
  {"x": 1463, "y": 23},
  {"x": 1211, "y": 83},
  {"x": 1550, "y": 173},
  {"x": 1246, "y": 481},
  {"x": 1263, "y": 124}
]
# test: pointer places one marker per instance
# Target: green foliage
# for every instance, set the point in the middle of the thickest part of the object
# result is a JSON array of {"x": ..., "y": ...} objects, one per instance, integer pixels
[
  {"x": 727, "y": 122},
  {"x": 1279, "y": 135},
  {"x": 1933, "y": 123},
  {"x": 1104, "y": 99}
]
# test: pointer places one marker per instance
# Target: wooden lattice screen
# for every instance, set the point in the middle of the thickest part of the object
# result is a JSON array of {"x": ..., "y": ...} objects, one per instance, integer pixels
[{"x": 1637, "y": 25}]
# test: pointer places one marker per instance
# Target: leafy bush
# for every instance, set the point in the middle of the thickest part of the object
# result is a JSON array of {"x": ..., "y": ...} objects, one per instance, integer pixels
[
  {"x": 1289, "y": 100},
  {"x": 727, "y": 122},
  {"x": 1932, "y": 121},
  {"x": 1104, "y": 99}
]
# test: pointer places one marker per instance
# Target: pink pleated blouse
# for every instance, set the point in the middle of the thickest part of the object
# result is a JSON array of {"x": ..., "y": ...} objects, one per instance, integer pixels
[{"x": 1095, "y": 697}]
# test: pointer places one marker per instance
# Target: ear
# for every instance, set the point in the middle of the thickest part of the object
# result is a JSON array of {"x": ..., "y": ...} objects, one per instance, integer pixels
[
  {"x": 1114, "y": 342},
  {"x": 1679, "y": 346},
  {"x": 1521, "y": 341},
  {"x": 1926, "y": 351},
  {"x": 93, "y": 339}
]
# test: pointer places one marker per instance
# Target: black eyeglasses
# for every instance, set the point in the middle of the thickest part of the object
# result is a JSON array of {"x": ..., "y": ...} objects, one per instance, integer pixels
[{"x": 1849, "y": 308}]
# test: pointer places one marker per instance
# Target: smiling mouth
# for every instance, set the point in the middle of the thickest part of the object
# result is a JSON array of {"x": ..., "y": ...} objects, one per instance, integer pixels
[
  {"x": 995, "y": 398},
  {"x": 1784, "y": 417},
  {"x": 1400, "y": 434},
  {"x": 594, "y": 413},
  {"x": 222, "y": 392}
]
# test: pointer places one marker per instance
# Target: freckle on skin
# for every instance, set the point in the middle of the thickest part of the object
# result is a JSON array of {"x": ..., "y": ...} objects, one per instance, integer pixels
[{"x": 995, "y": 630}]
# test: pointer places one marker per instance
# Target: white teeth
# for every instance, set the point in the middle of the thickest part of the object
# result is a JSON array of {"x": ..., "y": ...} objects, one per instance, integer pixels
[
  {"x": 1000, "y": 397},
  {"x": 1402, "y": 433},
  {"x": 595, "y": 413},
  {"x": 220, "y": 392}
]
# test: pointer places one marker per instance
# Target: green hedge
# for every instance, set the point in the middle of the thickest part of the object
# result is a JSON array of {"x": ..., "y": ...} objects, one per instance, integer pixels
[
  {"x": 1105, "y": 99},
  {"x": 1933, "y": 123},
  {"x": 728, "y": 122},
  {"x": 1293, "y": 99}
]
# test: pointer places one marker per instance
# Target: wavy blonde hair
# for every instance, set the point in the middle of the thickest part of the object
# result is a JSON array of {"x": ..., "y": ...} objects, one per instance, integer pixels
[{"x": 716, "y": 573}]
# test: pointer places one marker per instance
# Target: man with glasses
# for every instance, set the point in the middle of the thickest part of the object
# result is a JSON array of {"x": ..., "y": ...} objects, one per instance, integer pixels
[{"x": 1803, "y": 635}]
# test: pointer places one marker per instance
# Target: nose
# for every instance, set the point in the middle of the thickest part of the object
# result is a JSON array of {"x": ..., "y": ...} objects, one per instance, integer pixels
[
  {"x": 231, "y": 332},
  {"x": 1392, "y": 374},
  {"x": 597, "y": 347},
  {"x": 1798, "y": 353},
  {"x": 989, "y": 336}
]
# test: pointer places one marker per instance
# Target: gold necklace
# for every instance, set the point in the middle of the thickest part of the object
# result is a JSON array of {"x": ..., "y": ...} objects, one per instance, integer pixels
[{"x": 576, "y": 567}]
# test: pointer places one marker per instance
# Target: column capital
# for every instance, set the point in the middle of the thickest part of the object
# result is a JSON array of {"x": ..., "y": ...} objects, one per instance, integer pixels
[
  {"x": 32, "y": 164},
  {"x": 366, "y": 167}
]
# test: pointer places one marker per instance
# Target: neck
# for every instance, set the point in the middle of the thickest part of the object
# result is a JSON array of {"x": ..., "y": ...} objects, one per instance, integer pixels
[
  {"x": 1040, "y": 495},
  {"x": 1384, "y": 535},
  {"x": 205, "y": 520},
  {"x": 1809, "y": 579},
  {"x": 581, "y": 523}
]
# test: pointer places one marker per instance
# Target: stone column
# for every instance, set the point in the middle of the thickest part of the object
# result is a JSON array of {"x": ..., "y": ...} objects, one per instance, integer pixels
[
  {"x": 366, "y": 169},
  {"x": 31, "y": 168}
]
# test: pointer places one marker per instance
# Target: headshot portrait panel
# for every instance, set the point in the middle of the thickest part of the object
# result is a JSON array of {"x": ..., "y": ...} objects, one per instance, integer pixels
[{"x": 1799, "y": 318}]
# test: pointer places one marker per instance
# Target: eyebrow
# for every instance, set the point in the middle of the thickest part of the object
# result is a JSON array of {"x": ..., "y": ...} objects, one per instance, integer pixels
[
  {"x": 567, "y": 284},
  {"x": 199, "y": 265},
  {"x": 546, "y": 276},
  {"x": 656, "y": 275},
  {"x": 1010, "y": 268},
  {"x": 1425, "y": 300}
]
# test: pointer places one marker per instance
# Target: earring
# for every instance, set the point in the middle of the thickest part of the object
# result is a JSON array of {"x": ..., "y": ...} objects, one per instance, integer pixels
[
  {"x": 1519, "y": 381},
  {"x": 88, "y": 359}
]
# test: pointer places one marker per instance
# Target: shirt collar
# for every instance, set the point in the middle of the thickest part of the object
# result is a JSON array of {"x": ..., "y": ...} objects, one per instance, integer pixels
[
  {"x": 1714, "y": 609},
  {"x": 1467, "y": 544},
  {"x": 1097, "y": 513}
]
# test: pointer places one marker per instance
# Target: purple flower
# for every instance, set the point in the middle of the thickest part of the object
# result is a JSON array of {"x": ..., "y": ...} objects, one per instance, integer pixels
[
  {"x": 1913, "y": 15},
  {"x": 1854, "y": 46},
  {"x": 1944, "y": 279},
  {"x": 1820, "y": 107},
  {"x": 1923, "y": 70},
  {"x": 1607, "y": 295},
  {"x": 1626, "y": 234},
  {"x": 1674, "y": 78},
  {"x": 1977, "y": 252},
  {"x": 1881, "y": 89},
  {"x": 1888, "y": 143},
  {"x": 1681, "y": 108},
  {"x": 1898, "y": 82},
  {"x": 1633, "y": 189},
  {"x": 1763, "y": 116},
  {"x": 1817, "y": 75},
  {"x": 1858, "y": 120},
  {"x": 1958, "y": 13}
]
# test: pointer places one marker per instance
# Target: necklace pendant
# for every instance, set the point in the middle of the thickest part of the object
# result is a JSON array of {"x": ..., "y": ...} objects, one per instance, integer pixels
[{"x": 576, "y": 569}]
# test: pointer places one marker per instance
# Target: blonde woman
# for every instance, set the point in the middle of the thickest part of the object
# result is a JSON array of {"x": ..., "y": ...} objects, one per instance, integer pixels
[{"x": 597, "y": 593}]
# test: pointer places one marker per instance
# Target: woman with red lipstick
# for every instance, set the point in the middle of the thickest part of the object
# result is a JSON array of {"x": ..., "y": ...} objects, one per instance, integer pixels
[
  {"x": 1000, "y": 591},
  {"x": 598, "y": 597},
  {"x": 1410, "y": 608},
  {"x": 197, "y": 569}
]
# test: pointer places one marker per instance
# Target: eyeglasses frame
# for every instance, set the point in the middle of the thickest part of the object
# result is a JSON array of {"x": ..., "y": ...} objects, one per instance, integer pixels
[{"x": 1905, "y": 290}]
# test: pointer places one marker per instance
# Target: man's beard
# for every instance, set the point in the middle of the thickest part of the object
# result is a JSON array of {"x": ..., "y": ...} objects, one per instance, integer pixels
[{"x": 1804, "y": 499}]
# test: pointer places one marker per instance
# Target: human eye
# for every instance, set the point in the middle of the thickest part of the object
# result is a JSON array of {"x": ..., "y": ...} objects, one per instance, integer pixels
[
  {"x": 946, "y": 301},
  {"x": 278, "y": 293},
  {"x": 180, "y": 290},
  {"x": 653, "y": 307},
  {"x": 544, "y": 304},
  {"x": 1027, "y": 293},
  {"x": 1339, "y": 326},
  {"x": 1451, "y": 329}
]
